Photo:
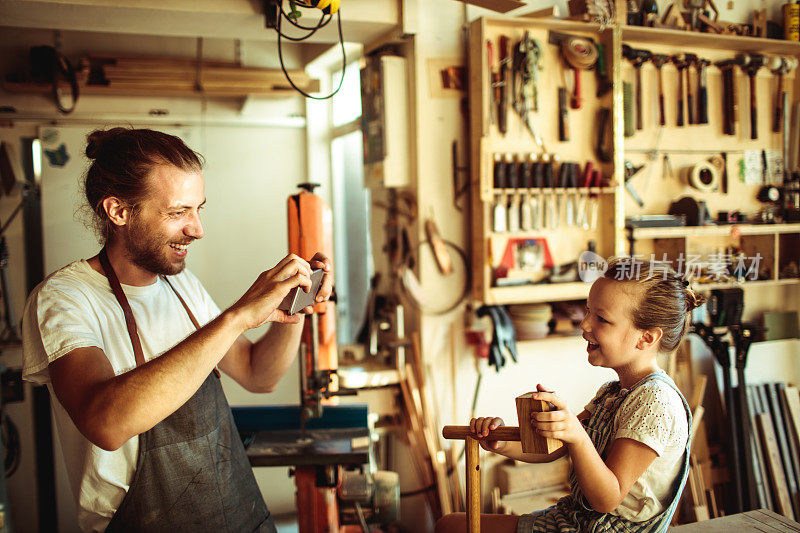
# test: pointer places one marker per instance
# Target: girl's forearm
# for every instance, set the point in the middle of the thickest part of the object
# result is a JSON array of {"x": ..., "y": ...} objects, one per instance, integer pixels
[{"x": 598, "y": 483}]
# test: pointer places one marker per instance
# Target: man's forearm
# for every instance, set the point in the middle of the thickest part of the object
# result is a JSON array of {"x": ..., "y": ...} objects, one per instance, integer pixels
[
  {"x": 133, "y": 402},
  {"x": 273, "y": 354},
  {"x": 598, "y": 483}
]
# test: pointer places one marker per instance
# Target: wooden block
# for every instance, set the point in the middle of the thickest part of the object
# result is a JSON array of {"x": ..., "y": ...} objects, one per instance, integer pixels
[
  {"x": 531, "y": 442},
  {"x": 776, "y": 474},
  {"x": 513, "y": 477}
]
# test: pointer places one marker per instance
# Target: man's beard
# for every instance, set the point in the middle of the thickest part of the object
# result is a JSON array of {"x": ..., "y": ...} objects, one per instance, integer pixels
[{"x": 147, "y": 251}]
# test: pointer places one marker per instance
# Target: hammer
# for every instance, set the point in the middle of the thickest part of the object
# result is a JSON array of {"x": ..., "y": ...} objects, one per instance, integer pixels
[
  {"x": 691, "y": 60},
  {"x": 730, "y": 109},
  {"x": 637, "y": 57},
  {"x": 702, "y": 92},
  {"x": 680, "y": 63},
  {"x": 780, "y": 66},
  {"x": 658, "y": 61},
  {"x": 751, "y": 63}
]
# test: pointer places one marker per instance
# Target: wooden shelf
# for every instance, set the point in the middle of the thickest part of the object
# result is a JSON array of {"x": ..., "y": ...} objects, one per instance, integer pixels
[
  {"x": 680, "y": 232},
  {"x": 542, "y": 292},
  {"x": 758, "y": 283},
  {"x": 556, "y": 190},
  {"x": 693, "y": 39}
]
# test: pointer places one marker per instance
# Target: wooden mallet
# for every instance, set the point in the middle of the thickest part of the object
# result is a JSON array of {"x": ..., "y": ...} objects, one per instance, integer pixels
[{"x": 531, "y": 443}]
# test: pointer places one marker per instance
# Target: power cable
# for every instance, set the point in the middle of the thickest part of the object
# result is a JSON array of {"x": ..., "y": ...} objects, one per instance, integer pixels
[{"x": 322, "y": 23}]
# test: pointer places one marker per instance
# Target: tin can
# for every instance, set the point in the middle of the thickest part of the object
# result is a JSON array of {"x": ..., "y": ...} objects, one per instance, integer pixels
[{"x": 791, "y": 22}]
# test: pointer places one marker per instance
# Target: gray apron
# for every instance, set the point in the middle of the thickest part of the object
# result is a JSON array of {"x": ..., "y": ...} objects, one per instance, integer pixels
[
  {"x": 573, "y": 513},
  {"x": 192, "y": 473}
]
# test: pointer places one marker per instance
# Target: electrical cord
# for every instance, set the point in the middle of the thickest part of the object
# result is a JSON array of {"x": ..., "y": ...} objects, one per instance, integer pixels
[
  {"x": 410, "y": 293},
  {"x": 280, "y": 53},
  {"x": 320, "y": 23}
]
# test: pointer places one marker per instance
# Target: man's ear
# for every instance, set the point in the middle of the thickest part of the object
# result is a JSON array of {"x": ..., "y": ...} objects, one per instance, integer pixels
[
  {"x": 649, "y": 337},
  {"x": 118, "y": 212}
]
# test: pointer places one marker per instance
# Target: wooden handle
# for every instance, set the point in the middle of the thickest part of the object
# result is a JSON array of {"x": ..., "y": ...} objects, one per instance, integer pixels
[
  {"x": 753, "y": 108},
  {"x": 662, "y": 119},
  {"x": 679, "y": 121},
  {"x": 575, "y": 102},
  {"x": 778, "y": 119},
  {"x": 639, "y": 119},
  {"x": 473, "y": 486},
  {"x": 463, "y": 432}
]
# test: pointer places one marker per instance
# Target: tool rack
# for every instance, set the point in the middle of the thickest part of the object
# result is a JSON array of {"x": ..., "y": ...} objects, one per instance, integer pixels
[{"x": 777, "y": 243}]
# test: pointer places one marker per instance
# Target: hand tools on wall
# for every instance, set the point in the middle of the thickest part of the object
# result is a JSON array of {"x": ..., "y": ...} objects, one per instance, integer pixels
[
  {"x": 499, "y": 181},
  {"x": 630, "y": 172},
  {"x": 751, "y": 63},
  {"x": 494, "y": 95},
  {"x": 502, "y": 106},
  {"x": 563, "y": 126},
  {"x": 549, "y": 182},
  {"x": 512, "y": 182},
  {"x": 627, "y": 108},
  {"x": 579, "y": 53},
  {"x": 658, "y": 61},
  {"x": 780, "y": 66},
  {"x": 604, "y": 83},
  {"x": 538, "y": 182},
  {"x": 525, "y": 72},
  {"x": 691, "y": 60},
  {"x": 730, "y": 101},
  {"x": 702, "y": 91},
  {"x": 680, "y": 63},
  {"x": 604, "y": 148},
  {"x": 526, "y": 183},
  {"x": 637, "y": 58},
  {"x": 583, "y": 204}
]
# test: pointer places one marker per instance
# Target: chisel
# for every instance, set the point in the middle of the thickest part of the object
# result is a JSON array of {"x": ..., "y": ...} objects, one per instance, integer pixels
[
  {"x": 563, "y": 127},
  {"x": 502, "y": 111}
]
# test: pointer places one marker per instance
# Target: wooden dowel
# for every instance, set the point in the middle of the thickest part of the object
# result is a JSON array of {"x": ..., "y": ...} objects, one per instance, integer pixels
[
  {"x": 462, "y": 432},
  {"x": 473, "y": 486}
]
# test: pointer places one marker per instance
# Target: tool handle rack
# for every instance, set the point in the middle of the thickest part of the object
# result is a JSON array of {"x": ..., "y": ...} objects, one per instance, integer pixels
[{"x": 473, "y": 465}]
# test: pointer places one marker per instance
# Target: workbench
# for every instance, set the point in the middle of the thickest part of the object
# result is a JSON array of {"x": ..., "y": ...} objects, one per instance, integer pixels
[
  {"x": 758, "y": 520},
  {"x": 273, "y": 437}
]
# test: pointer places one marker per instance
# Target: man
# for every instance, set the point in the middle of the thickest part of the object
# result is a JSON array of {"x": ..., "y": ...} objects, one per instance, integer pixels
[{"x": 129, "y": 343}]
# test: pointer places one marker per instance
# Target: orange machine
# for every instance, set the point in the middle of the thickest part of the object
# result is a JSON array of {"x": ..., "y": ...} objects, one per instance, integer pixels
[{"x": 311, "y": 231}]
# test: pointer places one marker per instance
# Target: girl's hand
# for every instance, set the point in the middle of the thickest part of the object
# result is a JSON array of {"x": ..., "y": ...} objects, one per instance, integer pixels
[
  {"x": 481, "y": 426},
  {"x": 560, "y": 424}
]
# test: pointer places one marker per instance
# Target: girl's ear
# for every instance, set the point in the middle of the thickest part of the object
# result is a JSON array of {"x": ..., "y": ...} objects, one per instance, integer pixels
[{"x": 649, "y": 338}]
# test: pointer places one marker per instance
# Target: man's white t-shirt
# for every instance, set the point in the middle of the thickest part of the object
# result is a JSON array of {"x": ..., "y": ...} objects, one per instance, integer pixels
[
  {"x": 75, "y": 308},
  {"x": 653, "y": 414}
]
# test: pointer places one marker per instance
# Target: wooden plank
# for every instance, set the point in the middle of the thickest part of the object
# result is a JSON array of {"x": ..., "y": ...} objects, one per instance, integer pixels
[
  {"x": 517, "y": 476},
  {"x": 699, "y": 391},
  {"x": 783, "y": 445},
  {"x": 788, "y": 437},
  {"x": 432, "y": 445},
  {"x": 761, "y": 407},
  {"x": 759, "y": 468},
  {"x": 792, "y": 398},
  {"x": 777, "y": 477},
  {"x": 418, "y": 447},
  {"x": 758, "y": 520}
]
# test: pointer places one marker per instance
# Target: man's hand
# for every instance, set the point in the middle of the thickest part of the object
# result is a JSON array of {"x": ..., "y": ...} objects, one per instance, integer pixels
[
  {"x": 259, "y": 304},
  {"x": 481, "y": 426},
  {"x": 320, "y": 260},
  {"x": 560, "y": 424}
]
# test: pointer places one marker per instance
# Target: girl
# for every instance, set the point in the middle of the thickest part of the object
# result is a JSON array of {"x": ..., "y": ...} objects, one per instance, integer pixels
[{"x": 629, "y": 447}]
